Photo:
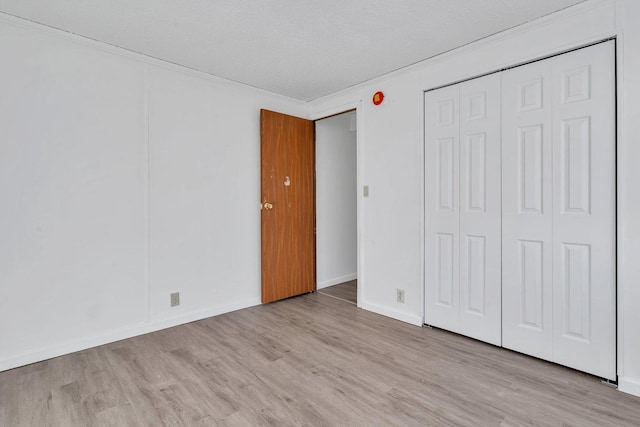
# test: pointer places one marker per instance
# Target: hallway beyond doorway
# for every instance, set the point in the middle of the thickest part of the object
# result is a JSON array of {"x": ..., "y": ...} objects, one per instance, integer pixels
[{"x": 347, "y": 291}]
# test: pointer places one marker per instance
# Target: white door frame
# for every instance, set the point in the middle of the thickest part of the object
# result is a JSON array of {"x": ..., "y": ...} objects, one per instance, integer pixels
[{"x": 357, "y": 106}]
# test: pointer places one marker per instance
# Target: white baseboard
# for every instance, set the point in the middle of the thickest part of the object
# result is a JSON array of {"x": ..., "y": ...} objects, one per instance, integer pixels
[
  {"x": 398, "y": 315},
  {"x": 629, "y": 385},
  {"x": 337, "y": 280},
  {"x": 45, "y": 353}
]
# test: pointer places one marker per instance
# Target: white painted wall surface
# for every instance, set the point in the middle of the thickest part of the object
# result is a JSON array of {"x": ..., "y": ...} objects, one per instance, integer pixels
[
  {"x": 83, "y": 126},
  {"x": 204, "y": 192},
  {"x": 628, "y": 14},
  {"x": 72, "y": 185},
  {"x": 336, "y": 195},
  {"x": 391, "y": 156}
]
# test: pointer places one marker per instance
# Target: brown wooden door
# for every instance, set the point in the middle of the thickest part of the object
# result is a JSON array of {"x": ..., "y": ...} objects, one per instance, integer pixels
[{"x": 288, "y": 205}]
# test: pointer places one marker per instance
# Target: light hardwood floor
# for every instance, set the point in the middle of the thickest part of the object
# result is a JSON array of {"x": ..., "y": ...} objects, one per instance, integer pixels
[
  {"x": 347, "y": 291},
  {"x": 311, "y": 360}
]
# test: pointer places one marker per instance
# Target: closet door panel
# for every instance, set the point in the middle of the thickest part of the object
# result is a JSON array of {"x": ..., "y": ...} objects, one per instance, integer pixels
[
  {"x": 442, "y": 218},
  {"x": 584, "y": 210},
  {"x": 480, "y": 209},
  {"x": 520, "y": 209},
  {"x": 527, "y": 213}
]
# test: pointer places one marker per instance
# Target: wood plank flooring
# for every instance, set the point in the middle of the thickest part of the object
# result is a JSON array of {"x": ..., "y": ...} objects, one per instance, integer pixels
[
  {"x": 311, "y": 360},
  {"x": 347, "y": 291}
]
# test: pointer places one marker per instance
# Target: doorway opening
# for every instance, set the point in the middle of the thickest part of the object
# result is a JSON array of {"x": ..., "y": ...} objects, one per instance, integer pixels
[{"x": 336, "y": 206}]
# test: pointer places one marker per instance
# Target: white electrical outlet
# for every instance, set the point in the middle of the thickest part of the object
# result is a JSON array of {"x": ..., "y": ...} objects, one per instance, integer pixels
[
  {"x": 175, "y": 299},
  {"x": 400, "y": 295}
]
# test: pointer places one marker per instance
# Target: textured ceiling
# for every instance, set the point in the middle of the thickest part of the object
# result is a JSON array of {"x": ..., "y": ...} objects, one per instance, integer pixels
[{"x": 303, "y": 49}]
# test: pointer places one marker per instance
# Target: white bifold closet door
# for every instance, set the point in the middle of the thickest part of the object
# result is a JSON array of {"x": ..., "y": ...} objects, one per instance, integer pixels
[
  {"x": 462, "y": 208},
  {"x": 558, "y": 181}
]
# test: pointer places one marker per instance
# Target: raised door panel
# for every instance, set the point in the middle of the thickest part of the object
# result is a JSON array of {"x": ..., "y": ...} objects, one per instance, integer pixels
[
  {"x": 442, "y": 208},
  {"x": 574, "y": 306},
  {"x": 445, "y": 273},
  {"x": 584, "y": 210},
  {"x": 530, "y": 269},
  {"x": 445, "y": 169},
  {"x": 480, "y": 209},
  {"x": 529, "y": 167},
  {"x": 527, "y": 210}
]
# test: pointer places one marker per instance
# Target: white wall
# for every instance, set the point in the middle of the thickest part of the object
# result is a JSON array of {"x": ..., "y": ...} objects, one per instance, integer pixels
[
  {"x": 628, "y": 14},
  {"x": 122, "y": 179},
  {"x": 336, "y": 195},
  {"x": 72, "y": 185},
  {"x": 390, "y": 139},
  {"x": 205, "y": 192}
]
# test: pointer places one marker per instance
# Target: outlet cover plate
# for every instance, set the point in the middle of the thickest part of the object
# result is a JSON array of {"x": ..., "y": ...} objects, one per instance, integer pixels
[{"x": 175, "y": 299}]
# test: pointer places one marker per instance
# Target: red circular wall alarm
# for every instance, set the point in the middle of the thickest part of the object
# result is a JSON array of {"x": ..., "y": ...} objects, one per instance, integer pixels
[{"x": 378, "y": 97}]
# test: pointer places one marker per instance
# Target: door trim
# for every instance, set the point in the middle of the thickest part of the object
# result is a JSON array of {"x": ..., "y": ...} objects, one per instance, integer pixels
[{"x": 357, "y": 107}]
